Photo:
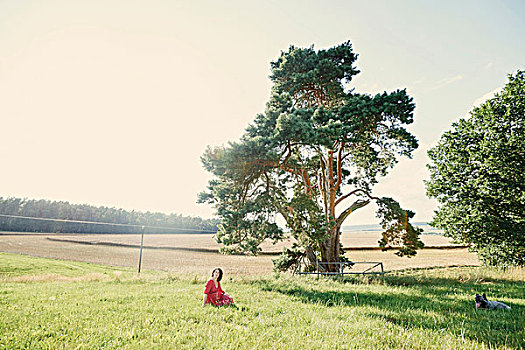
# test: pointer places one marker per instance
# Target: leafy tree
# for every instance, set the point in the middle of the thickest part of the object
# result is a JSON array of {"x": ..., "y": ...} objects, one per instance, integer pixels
[
  {"x": 478, "y": 176},
  {"x": 313, "y": 158}
]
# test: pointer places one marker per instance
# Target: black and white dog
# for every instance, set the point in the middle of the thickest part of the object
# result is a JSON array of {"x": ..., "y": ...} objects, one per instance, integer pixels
[{"x": 483, "y": 303}]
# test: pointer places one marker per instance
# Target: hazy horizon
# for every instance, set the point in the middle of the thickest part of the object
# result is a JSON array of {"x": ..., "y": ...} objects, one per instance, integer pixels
[{"x": 113, "y": 103}]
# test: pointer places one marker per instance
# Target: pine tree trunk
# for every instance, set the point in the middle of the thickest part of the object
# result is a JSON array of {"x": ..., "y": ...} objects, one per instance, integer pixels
[{"x": 330, "y": 251}]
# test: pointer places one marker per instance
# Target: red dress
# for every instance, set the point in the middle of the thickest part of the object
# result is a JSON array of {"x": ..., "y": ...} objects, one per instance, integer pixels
[{"x": 216, "y": 296}]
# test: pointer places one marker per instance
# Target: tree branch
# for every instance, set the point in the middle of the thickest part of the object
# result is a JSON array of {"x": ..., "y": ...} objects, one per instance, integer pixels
[
  {"x": 356, "y": 205},
  {"x": 354, "y": 192},
  {"x": 339, "y": 166}
]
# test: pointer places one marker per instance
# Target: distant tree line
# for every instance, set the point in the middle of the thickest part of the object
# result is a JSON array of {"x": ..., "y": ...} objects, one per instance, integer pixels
[{"x": 173, "y": 223}]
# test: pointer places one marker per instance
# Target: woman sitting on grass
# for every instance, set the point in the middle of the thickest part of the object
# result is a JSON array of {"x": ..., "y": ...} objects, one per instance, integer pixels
[{"x": 213, "y": 293}]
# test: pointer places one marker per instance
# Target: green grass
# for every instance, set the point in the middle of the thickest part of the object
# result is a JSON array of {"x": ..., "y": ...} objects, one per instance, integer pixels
[
  {"x": 12, "y": 265},
  {"x": 421, "y": 309}
]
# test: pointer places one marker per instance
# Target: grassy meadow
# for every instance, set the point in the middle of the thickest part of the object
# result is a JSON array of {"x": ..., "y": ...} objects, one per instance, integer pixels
[{"x": 58, "y": 304}]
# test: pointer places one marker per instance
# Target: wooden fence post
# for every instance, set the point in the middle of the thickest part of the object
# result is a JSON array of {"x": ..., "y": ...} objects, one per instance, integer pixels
[{"x": 141, "y": 244}]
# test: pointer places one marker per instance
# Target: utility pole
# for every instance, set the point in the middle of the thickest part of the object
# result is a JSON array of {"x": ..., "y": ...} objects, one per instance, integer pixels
[{"x": 141, "y": 244}]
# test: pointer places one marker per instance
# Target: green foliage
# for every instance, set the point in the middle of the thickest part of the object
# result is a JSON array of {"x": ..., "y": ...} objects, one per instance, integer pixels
[
  {"x": 398, "y": 230},
  {"x": 309, "y": 225},
  {"x": 311, "y": 158},
  {"x": 478, "y": 176},
  {"x": 289, "y": 259}
]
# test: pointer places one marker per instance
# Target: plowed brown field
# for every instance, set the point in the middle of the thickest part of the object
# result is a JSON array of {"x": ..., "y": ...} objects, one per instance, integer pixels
[{"x": 198, "y": 253}]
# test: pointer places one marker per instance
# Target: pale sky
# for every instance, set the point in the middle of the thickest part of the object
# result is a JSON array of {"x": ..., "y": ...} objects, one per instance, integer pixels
[{"x": 113, "y": 102}]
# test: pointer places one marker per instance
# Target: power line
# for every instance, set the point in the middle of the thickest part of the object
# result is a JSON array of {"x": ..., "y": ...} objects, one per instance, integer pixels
[{"x": 103, "y": 223}]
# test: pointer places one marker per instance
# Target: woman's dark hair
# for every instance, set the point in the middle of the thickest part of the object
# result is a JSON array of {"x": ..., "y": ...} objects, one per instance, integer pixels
[{"x": 220, "y": 273}]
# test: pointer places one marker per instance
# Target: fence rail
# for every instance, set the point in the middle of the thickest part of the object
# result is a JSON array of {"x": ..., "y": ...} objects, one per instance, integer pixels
[{"x": 341, "y": 269}]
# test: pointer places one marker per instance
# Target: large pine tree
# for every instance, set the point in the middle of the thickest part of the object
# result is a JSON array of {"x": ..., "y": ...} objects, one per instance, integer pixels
[{"x": 313, "y": 158}]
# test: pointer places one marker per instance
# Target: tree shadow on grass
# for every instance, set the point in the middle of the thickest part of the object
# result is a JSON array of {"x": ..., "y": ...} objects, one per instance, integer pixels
[
  {"x": 413, "y": 278},
  {"x": 437, "y": 304},
  {"x": 440, "y": 286}
]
